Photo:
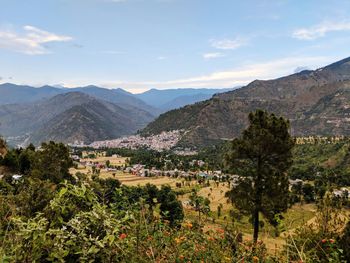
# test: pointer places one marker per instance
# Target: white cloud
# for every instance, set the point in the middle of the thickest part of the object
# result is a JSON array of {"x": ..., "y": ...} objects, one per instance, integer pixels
[
  {"x": 31, "y": 41},
  {"x": 320, "y": 30},
  {"x": 161, "y": 58},
  {"x": 227, "y": 44},
  {"x": 237, "y": 76},
  {"x": 228, "y": 78},
  {"x": 213, "y": 55}
]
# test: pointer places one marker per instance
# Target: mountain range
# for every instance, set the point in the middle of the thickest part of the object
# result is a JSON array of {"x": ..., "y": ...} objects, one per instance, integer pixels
[
  {"x": 169, "y": 99},
  {"x": 317, "y": 102},
  {"x": 84, "y": 114}
]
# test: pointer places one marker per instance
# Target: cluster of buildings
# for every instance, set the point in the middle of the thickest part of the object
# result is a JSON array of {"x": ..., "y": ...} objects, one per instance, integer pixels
[
  {"x": 319, "y": 139},
  {"x": 140, "y": 170},
  {"x": 159, "y": 142}
]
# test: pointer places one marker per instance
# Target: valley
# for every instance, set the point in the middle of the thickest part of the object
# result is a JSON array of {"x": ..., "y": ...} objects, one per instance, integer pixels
[{"x": 169, "y": 131}]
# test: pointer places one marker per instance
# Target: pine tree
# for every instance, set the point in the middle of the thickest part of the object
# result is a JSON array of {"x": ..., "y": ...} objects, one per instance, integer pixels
[{"x": 261, "y": 157}]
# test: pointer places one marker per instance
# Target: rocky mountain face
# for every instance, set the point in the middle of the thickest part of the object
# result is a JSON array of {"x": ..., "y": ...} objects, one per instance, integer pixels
[
  {"x": 70, "y": 117},
  {"x": 317, "y": 103}
]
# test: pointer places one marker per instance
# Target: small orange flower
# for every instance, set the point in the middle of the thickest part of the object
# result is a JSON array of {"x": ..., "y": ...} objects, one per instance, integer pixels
[
  {"x": 122, "y": 236},
  {"x": 177, "y": 240},
  {"x": 332, "y": 241},
  {"x": 220, "y": 230},
  {"x": 324, "y": 240},
  {"x": 211, "y": 238},
  {"x": 255, "y": 259},
  {"x": 181, "y": 257},
  {"x": 150, "y": 238},
  {"x": 189, "y": 225}
]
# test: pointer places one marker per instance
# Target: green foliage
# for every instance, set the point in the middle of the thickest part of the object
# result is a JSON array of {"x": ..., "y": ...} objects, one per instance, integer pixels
[
  {"x": 49, "y": 216},
  {"x": 76, "y": 227},
  {"x": 171, "y": 208},
  {"x": 308, "y": 192},
  {"x": 11, "y": 160},
  {"x": 318, "y": 241},
  {"x": 328, "y": 160},
  {"x": 52, "y": 163},
  {"x": 33, "y": 196},
  {"x": 200, "y": 204},
  {"x": 261, "y": 157},
  {"x": 345, "y": 242}
]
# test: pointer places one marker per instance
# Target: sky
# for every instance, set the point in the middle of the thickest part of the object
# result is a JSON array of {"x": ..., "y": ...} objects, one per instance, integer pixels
[{"x": 142, "y": 44}]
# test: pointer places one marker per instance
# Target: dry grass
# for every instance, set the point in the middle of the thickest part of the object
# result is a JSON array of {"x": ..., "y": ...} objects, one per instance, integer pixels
[
  {"x": 118, "y": 161},
  {"x": 134, "y": 180},
  {"x": 295, "y": 216},
  {"x": 129, "y": 179}
]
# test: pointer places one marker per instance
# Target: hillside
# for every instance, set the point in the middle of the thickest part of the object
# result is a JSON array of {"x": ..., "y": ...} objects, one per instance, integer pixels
[
  {"x": 118, "y": 96},
  {"x": 316, "y": 102},
  {"x": 169, "y": 99},
  {"x": 88, "y": 122},
  {"x": 68, "y": 117}
]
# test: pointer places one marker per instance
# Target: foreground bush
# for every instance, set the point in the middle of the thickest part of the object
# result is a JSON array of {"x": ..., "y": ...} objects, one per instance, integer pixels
[{"x": 75, "y": 226}]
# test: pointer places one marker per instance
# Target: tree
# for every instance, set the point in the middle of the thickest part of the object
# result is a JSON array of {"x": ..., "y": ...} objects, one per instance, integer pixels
[
  {"x": 25, "y": 159},
  {"x": 52, "y": 163},
  {"x": 171, "y": 209},
  {"x": 3, "y": 147},
  {"x": 151, "y": 194},
  {"x": 308, "y": 193},
  {"x": 11, "y": 160},
  {"x": 219, "y": 209},
  {"x": 200, "y": 204},
  {"x": 261, "y": 156}
]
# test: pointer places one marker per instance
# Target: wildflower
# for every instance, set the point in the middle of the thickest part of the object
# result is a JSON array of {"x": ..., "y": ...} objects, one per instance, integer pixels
[
  {"x": 150, "y": 238},
  {"x": 324, "y": 241},
  {"x": 122, "y": 236},
  {"x": 332, "y": 241},
  {"x": 177, "y": 240},
  {"x": 181, "y": 257},
  {"x": 189, "y": 225},
  {"x": 255, "y": 259},
  {"x": 211, "y": 238},
  {"x": 220, "y": 230}
]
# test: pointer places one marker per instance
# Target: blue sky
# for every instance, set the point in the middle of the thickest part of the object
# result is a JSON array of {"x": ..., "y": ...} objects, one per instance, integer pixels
[{"x": 143, "y": 44}]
